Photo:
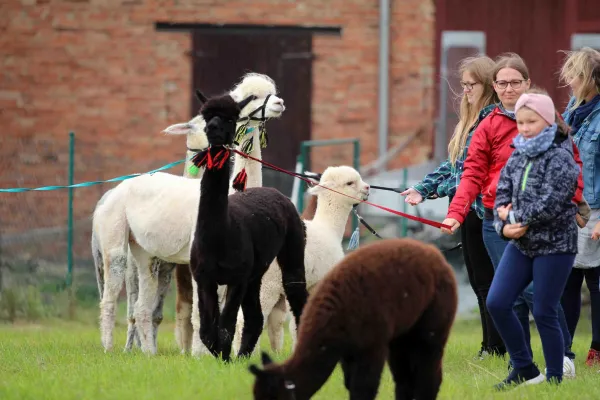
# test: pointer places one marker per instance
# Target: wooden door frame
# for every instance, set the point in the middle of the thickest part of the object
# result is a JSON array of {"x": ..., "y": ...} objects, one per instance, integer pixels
[{"x": 245, "y": 29}]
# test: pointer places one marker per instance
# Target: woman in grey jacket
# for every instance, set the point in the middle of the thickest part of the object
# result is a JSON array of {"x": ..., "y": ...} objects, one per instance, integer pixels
[{"x": 535, "y": 211}]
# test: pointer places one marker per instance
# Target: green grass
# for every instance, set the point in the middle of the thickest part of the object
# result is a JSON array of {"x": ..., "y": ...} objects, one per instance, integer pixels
[{"x": 64, "y": 360}]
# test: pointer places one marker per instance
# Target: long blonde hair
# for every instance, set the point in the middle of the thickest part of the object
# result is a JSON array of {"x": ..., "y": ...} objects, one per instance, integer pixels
[
  {"x": 585, "y": 64},
  {"x": 481, "y": 69}
]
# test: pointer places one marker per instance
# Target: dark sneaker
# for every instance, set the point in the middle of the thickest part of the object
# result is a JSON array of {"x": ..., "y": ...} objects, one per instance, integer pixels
[{"x": 528, "y": 376}]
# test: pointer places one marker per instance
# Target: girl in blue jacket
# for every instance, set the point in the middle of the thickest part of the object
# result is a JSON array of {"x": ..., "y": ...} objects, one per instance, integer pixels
[{"x": 535, "y": 211}]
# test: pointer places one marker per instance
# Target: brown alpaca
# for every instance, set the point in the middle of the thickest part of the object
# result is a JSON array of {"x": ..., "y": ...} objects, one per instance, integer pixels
[{"x": 394, "y": 299}]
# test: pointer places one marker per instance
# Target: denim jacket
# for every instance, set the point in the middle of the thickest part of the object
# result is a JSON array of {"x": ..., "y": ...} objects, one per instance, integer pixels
[{"x": 587, "y": 139}]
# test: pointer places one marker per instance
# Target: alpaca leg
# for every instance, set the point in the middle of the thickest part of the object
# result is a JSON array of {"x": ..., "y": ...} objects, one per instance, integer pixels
[
  {"x": 183, "y": 308},
  {"x": 400, "y": 366},
  {"x": 115, "y": 265},
  {"x": 291, "y": 263},
  {"x": 147, "y": 299},
  {"x": 132, "y": 287},
  {"x": 364, "y": 371},
  {"x": 429, "y": 339},
  {"x": 98, "y": 264},
  {"x": 426, "y": 361},
  {"x": 228, "y": 318},
  {"x": 268, "y": 302},
  {"x": 164, "y": 271},
  {"x": 198, "y": 348},
  {"x": 208, "y": 309},
  {"x": 275, "y": 322},
  {"x": 253, "y": 319},
  {"x": 347, "y": 364},
  {"x": 293, "y": 328}
]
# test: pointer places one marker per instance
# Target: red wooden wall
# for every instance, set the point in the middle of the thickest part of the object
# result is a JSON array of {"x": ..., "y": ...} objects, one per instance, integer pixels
[{"x": 535, "y": 29}]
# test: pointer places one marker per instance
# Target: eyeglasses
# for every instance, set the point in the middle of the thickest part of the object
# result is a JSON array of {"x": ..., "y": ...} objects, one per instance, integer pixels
[
  {"x": 468, "y": 85},
  {"x": 515, "y": 84}
]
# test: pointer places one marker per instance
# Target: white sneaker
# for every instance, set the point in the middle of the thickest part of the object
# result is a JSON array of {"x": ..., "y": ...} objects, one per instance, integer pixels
[{"x": 568, "y": 368}]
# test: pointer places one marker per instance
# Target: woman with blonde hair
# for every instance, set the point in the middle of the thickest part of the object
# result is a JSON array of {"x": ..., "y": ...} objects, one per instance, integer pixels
[
  {"x": 581, "y": 71},
  {"x": 477, "y": 101}
]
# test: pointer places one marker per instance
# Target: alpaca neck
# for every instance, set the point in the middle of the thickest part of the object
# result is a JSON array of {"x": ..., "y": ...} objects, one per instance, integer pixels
[
  {"x": 333, "y": 214},
  {"x": 309, "y": 371},
  {"x": 213, "y": 207},
  {"x": 188, "y": 163},
  {"x": 253, "y": 168}
]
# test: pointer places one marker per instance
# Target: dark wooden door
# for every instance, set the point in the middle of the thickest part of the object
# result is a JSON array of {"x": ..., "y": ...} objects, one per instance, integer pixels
[{"x": 221, "y": 59}]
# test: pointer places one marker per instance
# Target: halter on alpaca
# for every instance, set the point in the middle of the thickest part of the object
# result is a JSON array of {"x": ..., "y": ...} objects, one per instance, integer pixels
[{"x": 239, "y": 183}]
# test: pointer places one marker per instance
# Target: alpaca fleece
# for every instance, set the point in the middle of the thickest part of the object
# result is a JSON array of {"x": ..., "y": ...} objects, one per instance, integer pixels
[
  {"x": 392, "y": 300},
  {"x": 236, "y": 238},
  {"x": 324, "y": 235}
]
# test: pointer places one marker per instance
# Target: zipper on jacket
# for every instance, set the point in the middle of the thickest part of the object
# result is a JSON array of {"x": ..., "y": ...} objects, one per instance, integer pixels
[{"x": 525, "y": 175}]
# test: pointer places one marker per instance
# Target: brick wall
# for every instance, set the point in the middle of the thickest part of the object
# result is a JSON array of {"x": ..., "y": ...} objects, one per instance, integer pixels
[{"x": 99, "y": 68}]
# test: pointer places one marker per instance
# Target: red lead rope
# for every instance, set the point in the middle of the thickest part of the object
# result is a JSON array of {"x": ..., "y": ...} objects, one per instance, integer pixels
[{"x": 401, "y": 214}]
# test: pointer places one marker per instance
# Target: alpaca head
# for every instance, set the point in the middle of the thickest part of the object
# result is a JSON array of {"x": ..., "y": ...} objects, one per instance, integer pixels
[
  {"x": 221, "y": 114},
  {"x": 193, "y": 129},
  {"x": 271, "y": 384},
  {"x": 342, "y": 179},
  {"x": 266, "y": 105}
]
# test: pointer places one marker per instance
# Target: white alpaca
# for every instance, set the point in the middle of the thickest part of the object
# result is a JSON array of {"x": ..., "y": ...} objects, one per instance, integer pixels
[
  {"x": 154, "y": 215},
  {"x": 195, "y": 141},
  {"x": 324, "y": 234}
]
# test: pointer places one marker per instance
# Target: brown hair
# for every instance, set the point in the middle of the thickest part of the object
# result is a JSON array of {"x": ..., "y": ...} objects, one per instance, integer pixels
[
  {"x": 585, "y": 64},
  {"x": 480, "y": 69},
  {"x": 511, "y": 60},
  {"x": 563, "y": 127}
]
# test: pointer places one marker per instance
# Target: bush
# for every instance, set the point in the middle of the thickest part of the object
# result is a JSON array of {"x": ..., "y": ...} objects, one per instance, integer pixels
[{"x": 21, "y": 303}]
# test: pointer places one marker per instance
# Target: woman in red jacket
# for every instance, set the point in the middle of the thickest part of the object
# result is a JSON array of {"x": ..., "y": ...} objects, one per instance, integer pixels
[{"x": 488, "y": 153}]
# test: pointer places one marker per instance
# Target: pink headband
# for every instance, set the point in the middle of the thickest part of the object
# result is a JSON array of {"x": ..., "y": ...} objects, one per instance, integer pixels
[{"x": 540, "y": 103}]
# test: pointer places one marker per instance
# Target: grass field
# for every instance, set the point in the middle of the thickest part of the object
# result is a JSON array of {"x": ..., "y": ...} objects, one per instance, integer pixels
[{"x": 64, "y": 360}]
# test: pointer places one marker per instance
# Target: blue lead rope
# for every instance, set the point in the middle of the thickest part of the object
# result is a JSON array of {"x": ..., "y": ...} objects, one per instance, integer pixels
[{"x": 84, "y": 184}]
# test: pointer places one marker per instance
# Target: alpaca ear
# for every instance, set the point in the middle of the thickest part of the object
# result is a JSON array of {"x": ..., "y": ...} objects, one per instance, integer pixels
[
  {"x": 266, "y": 360},
  {"x": 255, "y": 370},
  {"x": 183, "y": 128},
  {"x": 200, "y": 96},
  {"x": 245, "y": 102},
  {"x": 316, "y": 190}
]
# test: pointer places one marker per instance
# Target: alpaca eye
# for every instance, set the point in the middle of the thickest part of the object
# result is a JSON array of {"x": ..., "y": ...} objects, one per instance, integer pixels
[{"x": 349, "y": 183}]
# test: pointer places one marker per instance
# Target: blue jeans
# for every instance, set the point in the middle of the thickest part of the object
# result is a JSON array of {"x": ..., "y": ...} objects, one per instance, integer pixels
[
  {"x": 513, "y": 275},
  {"x": 495, "y": 246}
]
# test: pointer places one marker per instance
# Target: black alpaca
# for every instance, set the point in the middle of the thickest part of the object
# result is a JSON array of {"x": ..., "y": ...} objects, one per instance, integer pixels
[
  {"x": 236, "y": 239},
  {"x": 395, "y": 299}
]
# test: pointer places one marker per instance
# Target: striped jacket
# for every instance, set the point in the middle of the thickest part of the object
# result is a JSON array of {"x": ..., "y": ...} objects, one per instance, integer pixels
[{"x": 444, "y": 180}]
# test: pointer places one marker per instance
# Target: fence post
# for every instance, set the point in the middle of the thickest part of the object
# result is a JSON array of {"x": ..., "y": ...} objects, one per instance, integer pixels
[
  {"x": 303, "y": 160},
  {"x": 69, "y": 277}
]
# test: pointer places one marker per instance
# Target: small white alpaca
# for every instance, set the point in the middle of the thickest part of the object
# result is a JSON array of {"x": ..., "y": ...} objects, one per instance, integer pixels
[
  {"x": 154, "y": 215},
  {"x": 324, "y": 235}
]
